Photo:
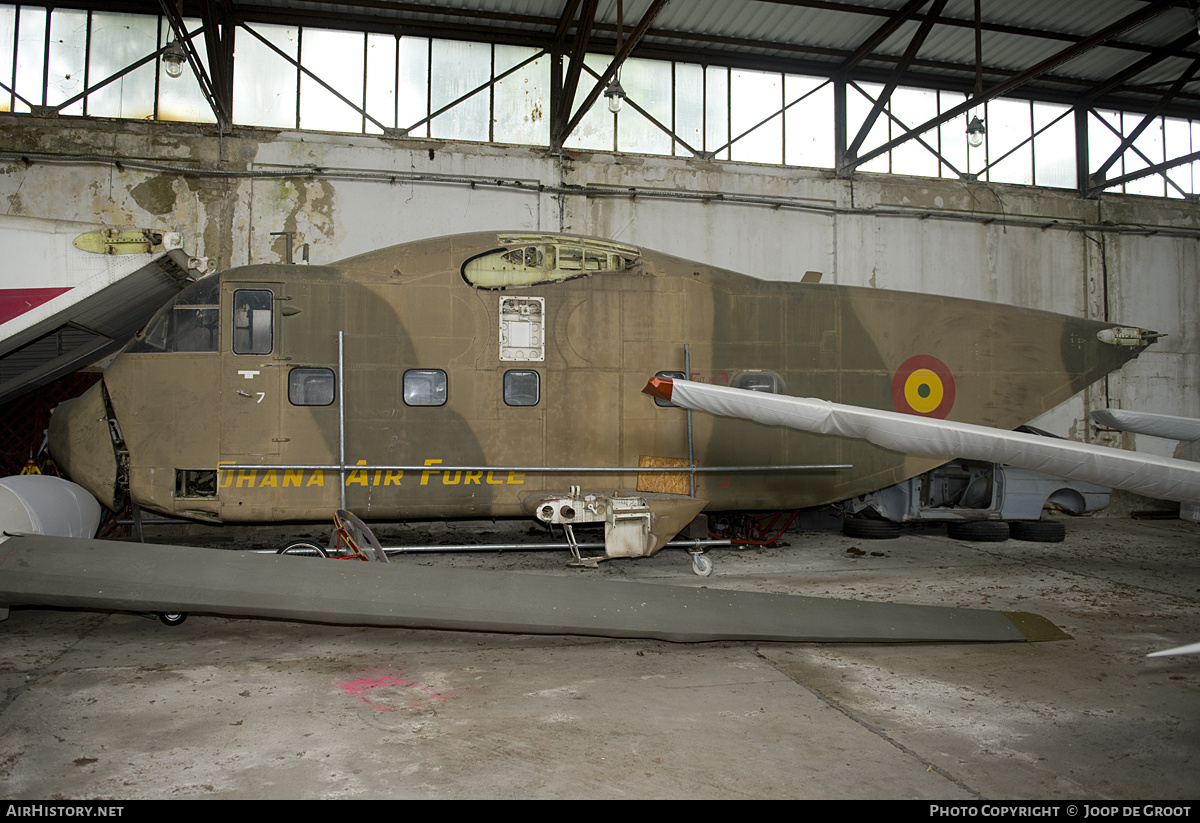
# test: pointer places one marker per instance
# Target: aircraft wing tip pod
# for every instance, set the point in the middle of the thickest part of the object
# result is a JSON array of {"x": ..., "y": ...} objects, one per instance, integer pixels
[{"x": 660, "y": 387}]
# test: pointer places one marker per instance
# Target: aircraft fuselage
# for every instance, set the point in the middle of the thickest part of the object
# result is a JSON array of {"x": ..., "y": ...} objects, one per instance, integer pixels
[{"x": 472, "y": 360}]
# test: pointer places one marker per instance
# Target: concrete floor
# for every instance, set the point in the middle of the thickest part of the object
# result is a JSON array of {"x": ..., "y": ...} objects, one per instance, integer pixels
[{"x": 120, "y": 706}]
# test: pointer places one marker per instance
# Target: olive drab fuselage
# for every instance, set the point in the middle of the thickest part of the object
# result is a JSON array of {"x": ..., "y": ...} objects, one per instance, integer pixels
[{"x": 467, "y": 362}]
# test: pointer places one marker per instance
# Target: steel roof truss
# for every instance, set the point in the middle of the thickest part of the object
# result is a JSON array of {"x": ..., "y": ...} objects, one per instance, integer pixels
[
  {"x": 765, "y": 120},
  {"x": 665, "y": 129},
  {"x": 566, "y": 98},
  {"x": 222, "y": 109},
  {"x": 218, "y": 37},
  {"x": 1098, "y": 185},
  {"x": 14, "y": 93},
  {"x": 1151, "y": 9},
  {"x": 651, "y": 12},
  {"x": 1146, "y": 172},
  {"x": 885, "y": 96},
  {"x": 961, "y": 174},
  {"x": 357, "y": 108},
  {"x": 137, "y": 64},
  {"x": 1172, "y": 49},
  {"x": 469, "y": 94},
  {"x": 882, "y": 33},
  {"x": 1029, "y": 139},
  {"x": 1127, "y": 141}
]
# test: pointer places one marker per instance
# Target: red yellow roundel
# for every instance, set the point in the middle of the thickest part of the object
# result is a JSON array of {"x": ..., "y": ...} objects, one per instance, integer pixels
[{"x": 923, "y": 385}]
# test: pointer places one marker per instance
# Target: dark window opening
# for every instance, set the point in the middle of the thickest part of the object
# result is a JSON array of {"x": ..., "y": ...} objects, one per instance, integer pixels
[
  {"x": 189, "y": 323},
  {"x": 311, "y": 387},
  {"x": 195, "y": 483},
  {"x": 767, "y": 382},
  {"x": 425, "y": 387},
  {"x": 253, "y": 321},
  {"x": 522, "y": 387}
]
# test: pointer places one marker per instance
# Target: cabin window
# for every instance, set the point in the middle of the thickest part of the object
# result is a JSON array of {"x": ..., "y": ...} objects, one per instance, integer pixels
[
  {"x": 188, "y": 323},
  {"x": 310, "y": 387},
  {"x": 253, "y": 321},
  {"x": 522, "y": 387},
  {"x": 673, "y": 375},
  {"x": 425, "y": 387},
  {"x": 767, "y": 382}
]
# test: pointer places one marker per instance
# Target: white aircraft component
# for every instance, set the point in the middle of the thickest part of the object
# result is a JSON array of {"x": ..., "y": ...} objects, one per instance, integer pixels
[
  {"x": 1191, "y": 648},
  {"x": 1136, "y": 472},
  {"x": 1184, "y": 429},
  {"x": 41, "y": 504},
  {"x": 1155, "y": 425},
  {"x": 72, "y": 293}
]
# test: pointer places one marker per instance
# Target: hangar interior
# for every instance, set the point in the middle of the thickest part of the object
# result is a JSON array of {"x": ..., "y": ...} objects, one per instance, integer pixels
[
  {"x": 778, "y": 138},
  {"x": 1042, "y": 155}
]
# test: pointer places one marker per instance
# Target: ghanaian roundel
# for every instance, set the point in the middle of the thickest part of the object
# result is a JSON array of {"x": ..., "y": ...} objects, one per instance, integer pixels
[{"x": 923, "y": 385}]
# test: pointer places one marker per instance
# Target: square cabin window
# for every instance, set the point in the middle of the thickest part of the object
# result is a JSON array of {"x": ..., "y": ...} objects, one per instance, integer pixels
[
  {"x": 310, "y": 387},
  {"x": 522, "y": 387},
  {"x": 424, "y": 387}
]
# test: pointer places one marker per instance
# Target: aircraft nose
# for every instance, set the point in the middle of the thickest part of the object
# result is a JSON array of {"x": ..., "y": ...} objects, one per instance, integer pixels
[{"x": 80, "y": 443}]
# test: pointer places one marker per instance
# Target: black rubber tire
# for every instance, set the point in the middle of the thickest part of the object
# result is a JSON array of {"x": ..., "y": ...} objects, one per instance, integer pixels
[
  {"x": 303, "y": 548},
  {"x": 867, "y": 528},
  {"x": 978, "y": 531},
  {"x": 172, "y": 618},
  {"x": 1037, "y": 531}
]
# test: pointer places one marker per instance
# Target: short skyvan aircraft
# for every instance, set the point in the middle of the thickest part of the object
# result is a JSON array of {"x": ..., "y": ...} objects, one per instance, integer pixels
[{"x": 497, "y": 374}]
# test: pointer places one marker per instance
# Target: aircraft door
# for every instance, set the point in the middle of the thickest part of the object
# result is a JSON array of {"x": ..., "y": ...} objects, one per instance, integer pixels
[{"x": 251, "y": 375}]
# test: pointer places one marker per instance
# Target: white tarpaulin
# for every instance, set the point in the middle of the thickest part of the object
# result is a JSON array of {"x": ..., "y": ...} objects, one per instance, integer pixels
[{"x": 1143, "y": 474}]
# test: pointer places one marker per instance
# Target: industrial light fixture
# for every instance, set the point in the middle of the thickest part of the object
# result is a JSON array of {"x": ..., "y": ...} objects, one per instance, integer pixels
[
  {"x": 174, "y": 59},
  {"x": 975, "y": 132},
  {"x": 615, "y": 95}
]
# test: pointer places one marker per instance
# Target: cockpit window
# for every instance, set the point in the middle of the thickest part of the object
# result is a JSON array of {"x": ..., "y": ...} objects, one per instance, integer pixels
[
  {"x": 253, "y": 331},
  {"x": 529, "y": 260},
  {"x": 189, "y": 323}
]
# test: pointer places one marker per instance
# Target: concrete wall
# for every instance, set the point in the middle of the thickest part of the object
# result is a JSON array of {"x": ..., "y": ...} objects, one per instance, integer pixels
[{"x": 1129, "y": 259}]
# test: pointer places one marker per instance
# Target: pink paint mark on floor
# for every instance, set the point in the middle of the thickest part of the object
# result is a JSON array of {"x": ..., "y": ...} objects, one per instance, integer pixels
[
  {"x": 359, "y": 688},
  {"x": 15, "y": 302}
]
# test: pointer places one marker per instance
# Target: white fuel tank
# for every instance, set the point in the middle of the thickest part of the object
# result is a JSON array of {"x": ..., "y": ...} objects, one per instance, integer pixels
[{"x": 41, "y": 504}]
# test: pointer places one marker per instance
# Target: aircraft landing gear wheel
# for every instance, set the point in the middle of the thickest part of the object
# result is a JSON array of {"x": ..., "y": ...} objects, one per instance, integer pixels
[
  {"x": 1037, "y": 531},
  {"x": 867, "y": 528},
  {"x": 172, "y": 618},
  {"x": 303, "y": 548},
  {"x": 701, "y": 565},
  {"x": 978, "y": 531}
]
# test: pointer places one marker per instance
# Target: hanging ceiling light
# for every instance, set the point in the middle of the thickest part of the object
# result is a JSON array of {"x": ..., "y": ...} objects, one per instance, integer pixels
[
  {"x": 615, "y": 95},
  {"x": 174, "y": 58},
  {"x": 975, "y": 132}
]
